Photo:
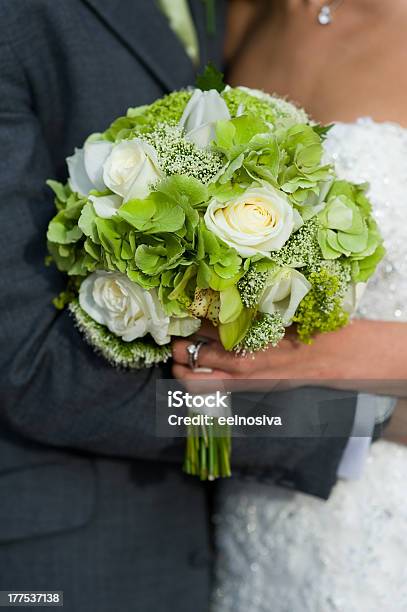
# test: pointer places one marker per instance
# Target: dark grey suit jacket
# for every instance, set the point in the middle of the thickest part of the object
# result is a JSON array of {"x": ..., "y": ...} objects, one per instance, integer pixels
[
  {"x": 92, "y": 502},
  {"x": 114, "y": 534}
]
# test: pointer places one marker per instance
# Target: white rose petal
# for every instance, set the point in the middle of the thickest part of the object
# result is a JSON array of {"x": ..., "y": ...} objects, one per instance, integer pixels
[
  {"x": 79, "y": 180},
  {"x": 200, "y": 115},
  {"x": 125, "y": 308},
  {"x": 95, "y": 155},
  {"x": 259, "y": 221},
  {"x": 283, "y": 296},
  {"x": 85, "y": 166},
  {"x": 184, "y": 326},
  {"x": 353, "y": 297},
  {"x": 106, "y": 206},
  {"x": 131, "y": 169}
]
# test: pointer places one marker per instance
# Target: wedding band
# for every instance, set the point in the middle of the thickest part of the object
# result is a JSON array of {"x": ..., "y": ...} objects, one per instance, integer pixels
[{"x": 193, "y": 354}]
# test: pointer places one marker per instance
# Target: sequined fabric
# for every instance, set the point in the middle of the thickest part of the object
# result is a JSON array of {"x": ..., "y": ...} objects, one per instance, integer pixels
[
  {"x": 377, "y": 153},
  {"x": 287, "y": 552}
]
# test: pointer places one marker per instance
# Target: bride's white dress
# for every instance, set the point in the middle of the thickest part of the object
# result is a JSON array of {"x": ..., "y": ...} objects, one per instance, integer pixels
[{"x": 288, "y": 552}]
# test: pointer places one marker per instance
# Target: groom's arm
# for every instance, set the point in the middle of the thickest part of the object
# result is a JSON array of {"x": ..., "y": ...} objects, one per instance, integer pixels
[{"x": 54, "y": 389}]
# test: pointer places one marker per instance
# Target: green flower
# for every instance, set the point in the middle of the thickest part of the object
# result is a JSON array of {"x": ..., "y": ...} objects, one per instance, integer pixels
[
  {"x": 146, "y": 118},
  {"x": 348, "y": 229},
  {"x": 321, "y": 310},
  {"x": 302, "y": 173}
]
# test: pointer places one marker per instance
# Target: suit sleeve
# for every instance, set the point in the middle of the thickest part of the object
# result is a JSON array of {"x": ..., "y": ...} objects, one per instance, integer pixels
[{"x": 54, "y": 389}]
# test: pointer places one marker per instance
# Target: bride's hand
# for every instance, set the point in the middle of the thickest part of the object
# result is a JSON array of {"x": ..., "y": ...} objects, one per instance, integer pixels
[{"x": 362, "y": 351}]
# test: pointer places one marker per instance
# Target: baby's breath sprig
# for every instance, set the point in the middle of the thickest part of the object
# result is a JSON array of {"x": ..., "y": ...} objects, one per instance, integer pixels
[
  {"x": 127, "y": 355},
  {"x": 179, "y": 156},
  {"x": 267, "y": 330},
  {"x": 251, "y": 285}
]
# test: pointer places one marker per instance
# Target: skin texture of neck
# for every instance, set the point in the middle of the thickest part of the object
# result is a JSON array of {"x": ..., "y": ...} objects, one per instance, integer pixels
[{"x": 351, "y": 68}]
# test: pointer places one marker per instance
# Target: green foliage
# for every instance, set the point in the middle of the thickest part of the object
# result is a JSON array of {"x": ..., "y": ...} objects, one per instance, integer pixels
[
  {"x": 231, "y": 334},
  {"x": 210, "y": 78},
  {"x": 220, "y": 266}
]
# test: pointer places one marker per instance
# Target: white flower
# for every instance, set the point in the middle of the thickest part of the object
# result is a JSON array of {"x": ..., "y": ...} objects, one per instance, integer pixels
[
  {"x": 85, "y": 166},
  {"x": 353, "y": 297},
  {"x": 184, "y": 326},
  {"x": 258, "y": 221},
  {"x": 125, "y": 308},
  {"x": 288, "y": 288},
  {"x": 131, "y": 169},
  {"x": 200, "y": 115},
  {"x": 106, "y": 206}
]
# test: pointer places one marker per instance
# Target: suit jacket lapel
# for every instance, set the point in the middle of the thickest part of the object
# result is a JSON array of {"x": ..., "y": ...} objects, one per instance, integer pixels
[{"x": 144, "y": 30}]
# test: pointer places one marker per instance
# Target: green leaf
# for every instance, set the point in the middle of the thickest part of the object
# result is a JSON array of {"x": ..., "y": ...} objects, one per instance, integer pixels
[
  {"x": 87, "y": 222},
  {"x": 58, "y": 232},
  {"x": 61, "y": 191},
  {"x": 138, "y": 213},
  {"x": 147, "y": 282},
  {"x": 204, "y": 275},
  {"x": 109, "y": 238},
  {"x": 230, "y": 305},
  {"x": 153, "y": 215},
  {"x": 210, "y": 78},
  {"x": 231, "y": 334}
]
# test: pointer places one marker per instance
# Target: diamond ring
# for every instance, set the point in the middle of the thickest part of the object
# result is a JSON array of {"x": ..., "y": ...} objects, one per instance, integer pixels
[{"x": 193, "y": 354}]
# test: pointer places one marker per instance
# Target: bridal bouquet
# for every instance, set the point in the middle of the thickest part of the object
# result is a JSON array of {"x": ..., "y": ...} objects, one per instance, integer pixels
[{"x": 210, "y": 203}]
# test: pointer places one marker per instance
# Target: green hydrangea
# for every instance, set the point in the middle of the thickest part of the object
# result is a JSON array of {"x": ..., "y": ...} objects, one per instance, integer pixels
[
  {"x": 302, "y": 174},
  {"x": 144, "y": 119},
  {"x": 348, "y": 229},
  {"x": 239, "y": 99}
]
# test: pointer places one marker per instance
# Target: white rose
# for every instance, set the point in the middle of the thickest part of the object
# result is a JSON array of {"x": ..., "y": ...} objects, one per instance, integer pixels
[
  {"x": 200, "y": 115},
  {"x": 85, "y": 166},
  {"x": 125, "y": 308},
  {"x": 258, "y": 221},
  {"x": 287, "y": 289},
  {"x": 131, "y": 169}
]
